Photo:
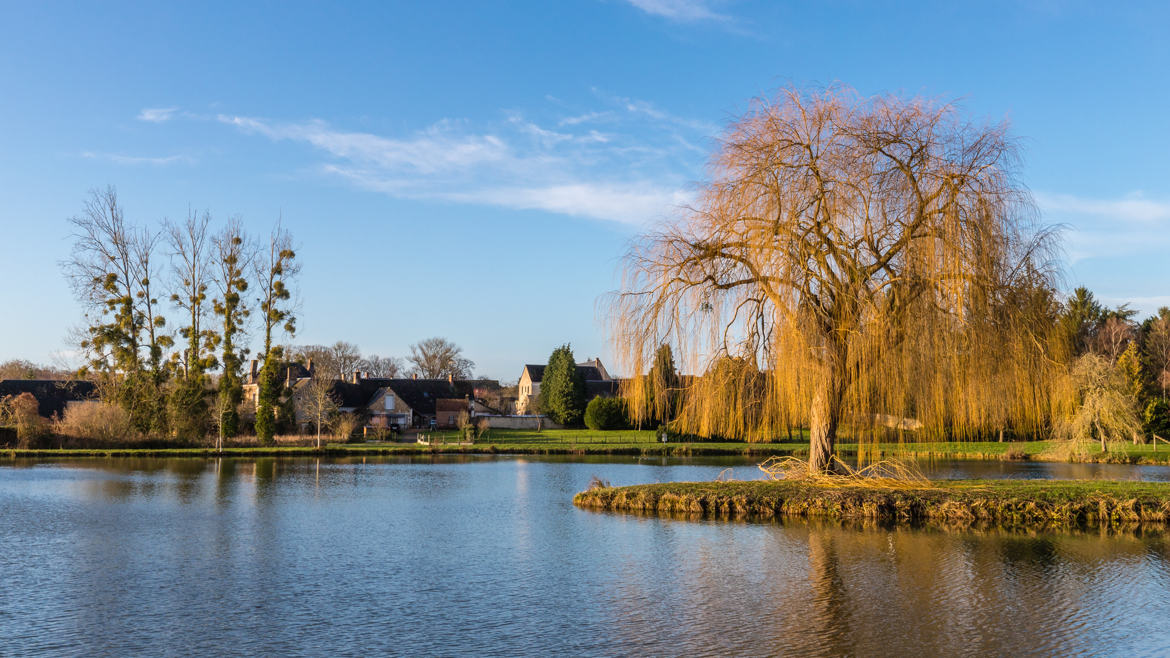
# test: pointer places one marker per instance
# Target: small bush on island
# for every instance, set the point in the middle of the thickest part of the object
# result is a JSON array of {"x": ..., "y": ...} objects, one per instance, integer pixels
[{"x": 606, "y": 414}]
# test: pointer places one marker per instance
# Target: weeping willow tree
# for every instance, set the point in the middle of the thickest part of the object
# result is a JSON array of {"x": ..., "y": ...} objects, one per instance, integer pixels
[{"x": 862, "y": 261}]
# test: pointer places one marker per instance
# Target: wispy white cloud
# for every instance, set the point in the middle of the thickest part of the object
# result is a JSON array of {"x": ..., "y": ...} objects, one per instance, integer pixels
[
  {"x": 630, "y": 204},
  {"x": 437, "y": 150},
  {"x": 1145, "y": 305},
  {"x": 1116, "y": 246},
  {"x": 118, "y": 158},
  {"x": 1133, "y": 208},
  {"x": 157, "y": 114},
  {"x": 588, "y": 117},
  {"x": 684, "y": 11},
  {"x": 1108, "y": 228},
  {"x": 518, "y": 163},
  {"x": 649, "y": 110}
]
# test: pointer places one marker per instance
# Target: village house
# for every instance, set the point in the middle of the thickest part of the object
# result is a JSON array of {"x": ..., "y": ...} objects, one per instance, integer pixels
[
  {"x": 399, "y": 404},
  {"x": 593, "y": 373},
  {"x": 53, "y": 396},
  {"x": 291, "y": 372}
]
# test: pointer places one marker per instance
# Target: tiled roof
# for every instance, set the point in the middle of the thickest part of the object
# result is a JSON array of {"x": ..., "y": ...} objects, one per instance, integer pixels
[
  {"x": 588, "y": 373},
  {"x": 52, "y": 394}
]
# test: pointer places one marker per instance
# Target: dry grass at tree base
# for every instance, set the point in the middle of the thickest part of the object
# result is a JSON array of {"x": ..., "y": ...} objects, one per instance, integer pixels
[{"x": 882, "y": 474}]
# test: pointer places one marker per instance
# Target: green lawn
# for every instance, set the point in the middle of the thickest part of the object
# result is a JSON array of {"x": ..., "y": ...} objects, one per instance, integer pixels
[{"x": 646, "y": 442}]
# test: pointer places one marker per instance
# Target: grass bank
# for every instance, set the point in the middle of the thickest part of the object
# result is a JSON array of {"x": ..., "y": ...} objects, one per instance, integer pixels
[
  {"x": 621, "y": 442},
  {"x": 1008, "y": 503}
]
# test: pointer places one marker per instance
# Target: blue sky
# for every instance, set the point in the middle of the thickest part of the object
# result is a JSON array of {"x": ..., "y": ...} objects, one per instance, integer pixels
[{"x": 476, "y": 170}]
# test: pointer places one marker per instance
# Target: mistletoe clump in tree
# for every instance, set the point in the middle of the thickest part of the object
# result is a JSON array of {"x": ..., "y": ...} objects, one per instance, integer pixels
[{"x": 275, "y": 267}]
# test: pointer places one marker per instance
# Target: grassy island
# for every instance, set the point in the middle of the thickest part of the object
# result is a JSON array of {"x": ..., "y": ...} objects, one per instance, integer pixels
[{"x": 961, "y": 502}]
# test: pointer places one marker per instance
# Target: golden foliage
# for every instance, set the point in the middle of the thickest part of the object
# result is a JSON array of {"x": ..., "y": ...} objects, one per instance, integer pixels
[
  {"x": 1105, "y": 411},
  {"x": 96, "y": 423},
  {"x": 850, "y": 257}
]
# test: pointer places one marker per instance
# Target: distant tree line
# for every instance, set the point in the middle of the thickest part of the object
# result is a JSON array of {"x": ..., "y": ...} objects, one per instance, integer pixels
[{"x": 1119, "y": 373}]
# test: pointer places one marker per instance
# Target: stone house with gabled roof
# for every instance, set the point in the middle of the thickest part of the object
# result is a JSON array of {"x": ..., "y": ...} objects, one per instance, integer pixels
[{"x": 593, "y": 373}]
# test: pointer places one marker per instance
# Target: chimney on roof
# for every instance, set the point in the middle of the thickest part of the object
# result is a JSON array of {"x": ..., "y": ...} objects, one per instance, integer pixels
[
  {"x": 357, "y": 376},
  {"x": 414, "y": 375},
  {"x": 253, "y": 367},
  {"x": 309, "y": 365},
  {"x": 450, "y": 378}
]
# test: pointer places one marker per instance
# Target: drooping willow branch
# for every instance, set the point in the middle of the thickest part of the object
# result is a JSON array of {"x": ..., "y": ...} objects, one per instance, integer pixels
[{"x": 850, "y": 258}]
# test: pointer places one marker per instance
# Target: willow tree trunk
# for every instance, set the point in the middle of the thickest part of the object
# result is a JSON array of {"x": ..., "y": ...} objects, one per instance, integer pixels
[{"x": 823, "y": 419}]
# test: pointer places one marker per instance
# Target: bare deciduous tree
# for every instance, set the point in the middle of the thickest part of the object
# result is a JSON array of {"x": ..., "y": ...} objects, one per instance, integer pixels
[
  {"x": 23, "y": 369},
  {"x": 436, "y": 358},
  {"x": 1112, "y": 336},
  {"x": 191, "y": 248},
  {"x": 157, "y": 339},
  {"x": 346, "y": 358},
  {"x": 112, "y": 270},
  {"x": 384, "y": 367},
  {"x": 1157, "y": 348},
  {"x": 315, "y": 401},
  {"x": 105, "y": 276},
  {"x": 341, "y": 359},
  {"x": 849, "y": 257}
]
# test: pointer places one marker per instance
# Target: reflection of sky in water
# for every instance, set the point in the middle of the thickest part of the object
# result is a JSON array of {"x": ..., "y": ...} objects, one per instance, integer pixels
[{"x": 474, "y": 555}]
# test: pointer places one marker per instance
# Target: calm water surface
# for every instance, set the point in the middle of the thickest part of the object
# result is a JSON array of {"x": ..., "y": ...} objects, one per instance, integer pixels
[{"x": 487, "y": 556}]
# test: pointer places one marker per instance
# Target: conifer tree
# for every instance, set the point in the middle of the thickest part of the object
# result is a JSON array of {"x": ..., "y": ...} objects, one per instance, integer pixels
[{"x": 562, "y": 389}]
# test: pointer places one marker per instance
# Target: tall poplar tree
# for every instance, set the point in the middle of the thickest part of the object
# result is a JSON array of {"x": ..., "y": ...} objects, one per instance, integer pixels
[
  {"x": 233, "y": 256},
  {"x": 112, "y": 269},
  {"x": 191, "y": 247},
  {"x": 275, "y": 268}
]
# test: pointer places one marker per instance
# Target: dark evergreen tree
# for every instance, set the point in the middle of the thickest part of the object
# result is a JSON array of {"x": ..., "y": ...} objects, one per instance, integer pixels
[
  {"x": 562, "y": 389},
  {"x": 1080, "y": 317},
  {"x": 606, "y": 414},
  {"x": 664, "y": 385}
]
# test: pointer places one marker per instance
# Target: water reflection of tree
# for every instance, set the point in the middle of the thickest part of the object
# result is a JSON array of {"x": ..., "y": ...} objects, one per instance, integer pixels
[
  {"x": 830, "y": 600},
  {"x": 931, "y": 591}
]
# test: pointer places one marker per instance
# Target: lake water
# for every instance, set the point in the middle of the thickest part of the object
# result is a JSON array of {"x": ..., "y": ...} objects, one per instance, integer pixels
[{"x": 488, "y": 556}]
